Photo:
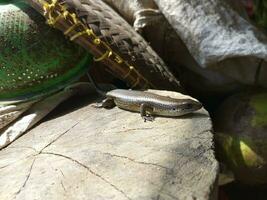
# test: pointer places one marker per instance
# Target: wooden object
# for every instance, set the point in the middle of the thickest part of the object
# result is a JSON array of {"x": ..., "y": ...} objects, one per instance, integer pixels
[
  {"x": 100, "y": 30},
  {"x": 88, "y": 153}
]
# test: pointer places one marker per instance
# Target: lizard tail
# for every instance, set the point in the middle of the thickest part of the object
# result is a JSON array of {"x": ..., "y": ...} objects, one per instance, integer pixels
[{"x": 97, "y": 88}]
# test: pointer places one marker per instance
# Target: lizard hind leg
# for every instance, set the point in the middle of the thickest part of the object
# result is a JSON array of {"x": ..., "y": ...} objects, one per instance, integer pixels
[{"x": 106, "y": 103}]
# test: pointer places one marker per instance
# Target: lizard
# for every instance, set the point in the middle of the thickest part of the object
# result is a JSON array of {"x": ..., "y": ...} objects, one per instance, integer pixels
[{"x": 148, "y": 104}]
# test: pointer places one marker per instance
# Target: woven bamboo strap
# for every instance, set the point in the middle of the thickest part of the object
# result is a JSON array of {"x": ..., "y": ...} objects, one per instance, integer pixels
[{"x": 100, "y": 30}]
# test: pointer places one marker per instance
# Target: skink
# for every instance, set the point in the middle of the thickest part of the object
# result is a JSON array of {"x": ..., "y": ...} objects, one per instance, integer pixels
[{"x": 149, "y": 104}]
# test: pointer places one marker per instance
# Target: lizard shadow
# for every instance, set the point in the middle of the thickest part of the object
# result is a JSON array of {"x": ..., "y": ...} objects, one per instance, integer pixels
[
  {"x": 193, "y": 115},
  {"x": 187, "y": 116},
  {"x": 76, "y": 102},
  {"x": 70, "y": 105}
]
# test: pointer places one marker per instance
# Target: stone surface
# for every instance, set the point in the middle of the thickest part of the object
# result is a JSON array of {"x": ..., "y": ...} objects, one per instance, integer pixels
[{"x": 87, "y": 153}]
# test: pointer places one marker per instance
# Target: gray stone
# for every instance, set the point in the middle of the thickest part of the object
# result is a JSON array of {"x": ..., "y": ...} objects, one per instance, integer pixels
[
  {"x": 87, "y": 153},
  {"x": 218, "y": 37}
]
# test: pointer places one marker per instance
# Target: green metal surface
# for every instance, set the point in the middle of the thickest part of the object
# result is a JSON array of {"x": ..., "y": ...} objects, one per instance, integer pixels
[{"x": 34, "y": 58}]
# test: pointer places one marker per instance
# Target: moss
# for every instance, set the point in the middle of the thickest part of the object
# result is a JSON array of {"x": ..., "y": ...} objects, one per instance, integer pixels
[{"x": 259, "y": 104}]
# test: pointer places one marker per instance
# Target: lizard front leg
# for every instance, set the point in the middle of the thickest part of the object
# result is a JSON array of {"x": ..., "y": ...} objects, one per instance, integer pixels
[{"x": 146, "y": 111}]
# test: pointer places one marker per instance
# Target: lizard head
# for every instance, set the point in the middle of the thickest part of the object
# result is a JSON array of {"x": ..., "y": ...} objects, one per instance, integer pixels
[
  {"x": 179, "y": 107},
  {"x": 186, "y": 106}
]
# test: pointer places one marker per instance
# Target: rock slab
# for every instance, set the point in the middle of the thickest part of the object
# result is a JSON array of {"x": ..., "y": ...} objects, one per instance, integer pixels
[{"x": 87, "y": 153}]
